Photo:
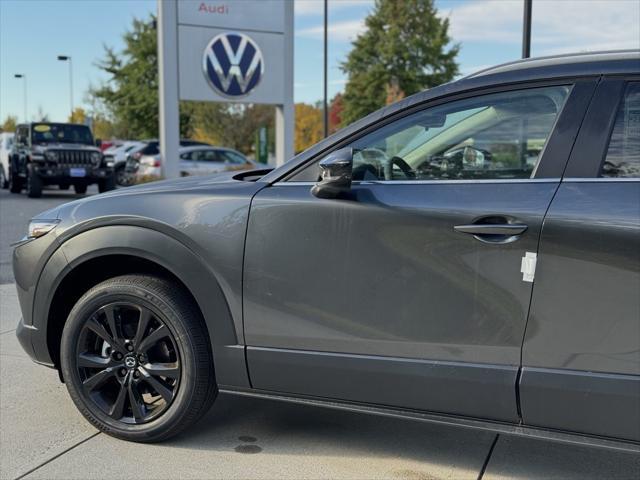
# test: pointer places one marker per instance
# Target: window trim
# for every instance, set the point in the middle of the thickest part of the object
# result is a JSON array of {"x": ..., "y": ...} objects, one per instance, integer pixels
[{"x": 579, "y": 86}]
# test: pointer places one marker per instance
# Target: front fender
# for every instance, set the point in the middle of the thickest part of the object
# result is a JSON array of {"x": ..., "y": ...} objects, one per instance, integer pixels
[{"x": 165, "y": 251}]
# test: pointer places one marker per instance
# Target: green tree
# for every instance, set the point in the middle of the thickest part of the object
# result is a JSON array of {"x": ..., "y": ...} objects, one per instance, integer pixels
[
  {"x": 9, "y": 124},
  {"x": 130, "y": 95},
  {"x": 405, "y": 49}
]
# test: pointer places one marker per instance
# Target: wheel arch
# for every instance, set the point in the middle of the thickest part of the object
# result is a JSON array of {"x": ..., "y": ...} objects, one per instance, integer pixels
[{"x": 92, "y": 256}]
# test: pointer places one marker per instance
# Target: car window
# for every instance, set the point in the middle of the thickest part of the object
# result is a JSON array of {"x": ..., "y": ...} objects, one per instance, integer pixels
[
  {"x": 232, "y": 157},
  {"x": 623, "y": 154},
  {"x": 152, "y": 148},
  {"x": 208, "y": 156},
  {"x": 495, "y": 136},
  {"x": 186, "y": 156}
]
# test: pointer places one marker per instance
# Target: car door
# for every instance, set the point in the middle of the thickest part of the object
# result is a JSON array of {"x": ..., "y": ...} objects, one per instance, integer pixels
[
  {"x": 581, "y": 354},
  {"x": 377, "y": 297}
]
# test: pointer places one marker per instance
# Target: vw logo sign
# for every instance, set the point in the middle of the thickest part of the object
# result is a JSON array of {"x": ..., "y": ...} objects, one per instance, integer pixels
[
  {"x": 233, "y": 64},
  {"x": 130, "y": 362}
]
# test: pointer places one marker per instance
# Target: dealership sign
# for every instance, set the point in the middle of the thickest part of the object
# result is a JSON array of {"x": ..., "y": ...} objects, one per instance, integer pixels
[
  {"x": 238, "y": 51},
  {"x": 233, "y": 64}
]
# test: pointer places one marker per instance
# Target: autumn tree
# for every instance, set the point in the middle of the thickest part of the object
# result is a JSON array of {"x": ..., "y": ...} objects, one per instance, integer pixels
[
  {"x": 309, "y": 126},
  {"x": 405, "y": 49},
  {"x": 78, "y": 115},
  {"x": 335, "y": 112},
  {"x": 9, "y": 124}
]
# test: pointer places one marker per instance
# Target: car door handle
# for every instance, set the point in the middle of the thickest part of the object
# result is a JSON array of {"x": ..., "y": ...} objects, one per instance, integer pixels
[{"x": 480, "y": 229}]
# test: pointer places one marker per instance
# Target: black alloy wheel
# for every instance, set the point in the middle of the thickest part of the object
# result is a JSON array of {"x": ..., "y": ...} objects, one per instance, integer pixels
[
  {"x": 136, "y": 358},
  {"x": 128, "y": 362}
]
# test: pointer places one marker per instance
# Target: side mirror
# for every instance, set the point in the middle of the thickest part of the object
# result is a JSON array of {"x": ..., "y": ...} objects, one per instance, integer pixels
[
  {"x": 98, "y": 143},
  {"x": 335, "y": 173}
]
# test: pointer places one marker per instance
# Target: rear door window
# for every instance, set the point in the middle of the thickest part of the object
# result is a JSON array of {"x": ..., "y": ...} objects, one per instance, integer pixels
[{"x": 623, "y": 155}]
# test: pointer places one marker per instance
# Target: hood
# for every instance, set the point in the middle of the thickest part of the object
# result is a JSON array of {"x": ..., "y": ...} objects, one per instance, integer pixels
[{"x": 178, "y": 184}]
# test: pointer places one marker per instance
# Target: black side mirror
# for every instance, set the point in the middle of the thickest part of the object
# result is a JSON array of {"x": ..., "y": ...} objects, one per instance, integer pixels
[
  {"x": 335, "y": 172},
  {"x": 98, "y": 142}
]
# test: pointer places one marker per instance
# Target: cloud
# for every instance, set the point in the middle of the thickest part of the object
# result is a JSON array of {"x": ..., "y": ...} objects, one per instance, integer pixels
[
  {"x": 557, "y": 26},
  {"x": 345, "y": 31}
]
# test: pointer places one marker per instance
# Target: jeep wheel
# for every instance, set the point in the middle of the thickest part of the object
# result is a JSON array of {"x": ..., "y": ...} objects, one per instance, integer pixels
[
  {"x": 34, "y": 183},
  {"x": 136, "y": 358},
  {"x": 80, "y": 188},
  {"x": 106, "y": 184},
  {"x": 15, "y": 183},
  {"x": 4, "y": 183}
]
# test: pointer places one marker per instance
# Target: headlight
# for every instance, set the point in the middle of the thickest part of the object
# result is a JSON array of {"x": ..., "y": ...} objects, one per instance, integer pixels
[
  {"x": 52, "y": 156},
  {"x": 38, "y": 228},
  {"x": 96, "y": 157}
]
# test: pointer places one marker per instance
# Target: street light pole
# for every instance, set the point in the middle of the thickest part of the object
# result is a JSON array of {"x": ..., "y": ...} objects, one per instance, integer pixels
[
  {"x": 526, "y": 29},
  {"x": 325, "y": 110},
  {"x": 67, "y": 58},
  {"x": 23, "y": 76}
]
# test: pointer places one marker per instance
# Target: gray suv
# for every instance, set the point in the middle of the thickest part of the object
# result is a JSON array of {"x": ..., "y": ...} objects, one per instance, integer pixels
[{"x": 469, "y": 255}]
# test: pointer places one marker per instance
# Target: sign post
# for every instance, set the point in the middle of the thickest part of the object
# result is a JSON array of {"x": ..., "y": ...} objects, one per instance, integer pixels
[{"x": 233, "y": 51}]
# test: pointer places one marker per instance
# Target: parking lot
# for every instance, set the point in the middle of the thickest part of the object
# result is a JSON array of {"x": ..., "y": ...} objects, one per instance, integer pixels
[{"x": 43, "y": 436}]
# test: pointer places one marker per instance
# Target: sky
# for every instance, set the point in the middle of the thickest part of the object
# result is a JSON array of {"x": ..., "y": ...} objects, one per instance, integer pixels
[{"x": 34, "y": 32}]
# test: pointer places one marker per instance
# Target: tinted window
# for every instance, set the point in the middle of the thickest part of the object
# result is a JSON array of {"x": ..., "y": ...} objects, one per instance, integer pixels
[
  {"x": 623, "y": 155},
  {"x": 61, "y": 133},
  {"x": 152, "y": 148},
  {"x": 493, "y": 136}
]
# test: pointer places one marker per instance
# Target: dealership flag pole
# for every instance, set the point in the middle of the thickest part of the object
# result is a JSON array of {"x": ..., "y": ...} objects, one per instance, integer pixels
[
  {"x": 526, "y": 30},
  {"x": 168, "y": 87}
]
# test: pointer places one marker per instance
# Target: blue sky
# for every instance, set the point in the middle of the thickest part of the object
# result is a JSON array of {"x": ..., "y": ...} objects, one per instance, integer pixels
[{"x": 34, "y": 32}]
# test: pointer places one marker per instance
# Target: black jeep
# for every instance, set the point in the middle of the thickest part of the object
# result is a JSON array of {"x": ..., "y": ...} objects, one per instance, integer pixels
[{"x": 62, "y": 154}]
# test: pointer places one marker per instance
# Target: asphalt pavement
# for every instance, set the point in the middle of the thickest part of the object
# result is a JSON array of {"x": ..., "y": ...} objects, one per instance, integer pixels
[{"x": 43, "y": 436}]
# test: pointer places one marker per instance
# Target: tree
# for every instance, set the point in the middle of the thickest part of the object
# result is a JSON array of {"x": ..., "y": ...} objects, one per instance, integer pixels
[
  {"x": 335, "y": 112},
  {"x": 405, "y": 49},
  {"x": 9, "y": 124},
  {"x": 309, "y": 128},
  {"x": 78, "y": 115},
  {"x": 130, "y": 94}
]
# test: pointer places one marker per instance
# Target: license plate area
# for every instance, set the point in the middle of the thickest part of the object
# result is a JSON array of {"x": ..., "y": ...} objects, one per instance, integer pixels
[{"x": 77, "y": 172}]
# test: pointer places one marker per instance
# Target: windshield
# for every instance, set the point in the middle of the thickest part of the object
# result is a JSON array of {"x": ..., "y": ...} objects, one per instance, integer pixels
[{"x": 61, "y": 133}]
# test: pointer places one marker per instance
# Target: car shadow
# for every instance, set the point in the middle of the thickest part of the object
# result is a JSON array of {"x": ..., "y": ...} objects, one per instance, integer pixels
[{"x": 250, "y": 425}]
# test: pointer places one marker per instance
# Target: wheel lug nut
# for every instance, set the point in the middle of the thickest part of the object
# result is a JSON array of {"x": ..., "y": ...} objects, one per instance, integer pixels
[
  {"x": 136, "y": 374},
  {"x": 123, "y": 371},
  {"x": 117, "y": 355}
]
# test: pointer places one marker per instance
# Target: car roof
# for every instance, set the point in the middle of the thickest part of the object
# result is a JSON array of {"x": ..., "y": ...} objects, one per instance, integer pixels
[{"x": 574, "y": 65}]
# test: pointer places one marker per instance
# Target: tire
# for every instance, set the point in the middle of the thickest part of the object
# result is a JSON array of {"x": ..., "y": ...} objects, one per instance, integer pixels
[
  {"x": 185, "y": 343},
  {"x": 80, "y": 188},
  {"x": 4, "y": 182},
  {"x": 124, "y": 178},
  {"x": 34, "y": 183},
  {"x": 64, "y": 186},
  {"x": 15, "y": 182},
  {"x": 107, "y": 184}
]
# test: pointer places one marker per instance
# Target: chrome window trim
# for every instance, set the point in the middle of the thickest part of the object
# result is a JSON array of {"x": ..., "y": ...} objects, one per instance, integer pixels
[
  {"x": 601, "y": 179},
  {"x": 432, "y": 182}
]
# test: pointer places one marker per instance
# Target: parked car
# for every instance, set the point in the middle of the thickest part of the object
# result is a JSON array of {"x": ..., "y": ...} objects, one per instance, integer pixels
[
  {"x": 117, "y": 157},
  {"x": 469, "y": 256},
  {"x": 62, "y": 154},
  {"x": 152, "y": 149},
  {"x": 198, "y": 160},
  {"x": 6, "y": 141}
]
